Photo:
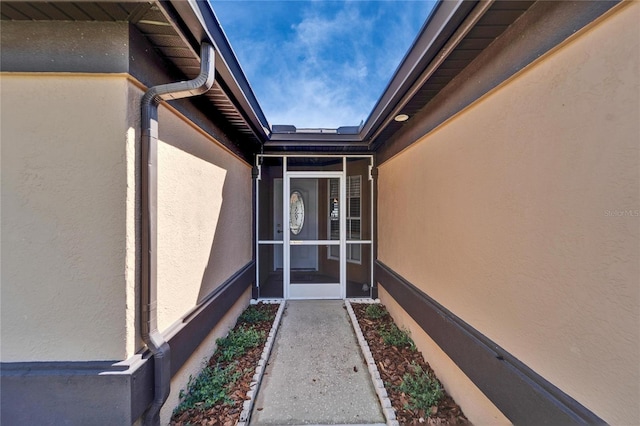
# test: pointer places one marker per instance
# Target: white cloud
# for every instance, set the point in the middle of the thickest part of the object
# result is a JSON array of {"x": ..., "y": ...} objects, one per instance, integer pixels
[
  {"x": 328, "y": 67},
  {"x": 326, "y": 87}
]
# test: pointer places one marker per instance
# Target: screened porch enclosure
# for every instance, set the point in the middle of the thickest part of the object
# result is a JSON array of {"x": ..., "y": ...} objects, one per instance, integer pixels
[{"x": 314, "y": 227}]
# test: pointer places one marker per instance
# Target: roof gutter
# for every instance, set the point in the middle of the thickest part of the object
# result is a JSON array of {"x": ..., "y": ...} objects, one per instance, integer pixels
[
  {"x": 200, "y": 20},
  {"x": 154, "y": 340},
  {"x": 467, "y": 25}
]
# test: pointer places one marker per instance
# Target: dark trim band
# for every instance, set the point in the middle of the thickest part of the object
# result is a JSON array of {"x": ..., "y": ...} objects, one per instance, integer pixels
[
  {"x": 523, "y": 396},
  {"x": 108, "y": 392},
  {"x": 75, "y": 393},
  {"x": 199, "y": 323}
]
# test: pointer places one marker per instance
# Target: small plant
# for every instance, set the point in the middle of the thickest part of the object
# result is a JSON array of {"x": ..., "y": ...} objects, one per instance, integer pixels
[
  {"x": 422, "y": 389},
  {"x": 253, "y": 314},
  {"x": 392, "y": 335},
  {"x": 210, "y": 387},
  {"x": 375, "y": 311},
  {"x": 237, "y": 342}
]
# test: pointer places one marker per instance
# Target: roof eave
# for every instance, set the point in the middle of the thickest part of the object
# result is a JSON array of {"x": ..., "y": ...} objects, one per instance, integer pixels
[
  {"x": 198, "y": 17},
  {"x": 408, "y": 71}
]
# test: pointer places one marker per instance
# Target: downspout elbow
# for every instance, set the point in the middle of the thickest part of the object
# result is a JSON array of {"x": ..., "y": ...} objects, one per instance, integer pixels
[
  {"x": 150, "y": 334},
  {"x": 182, "y": 89}
]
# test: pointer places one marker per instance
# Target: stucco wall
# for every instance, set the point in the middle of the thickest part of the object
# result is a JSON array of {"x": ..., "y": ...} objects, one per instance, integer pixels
[
  {"x": 204, "y": 216},
  {"x": 201, "y": 355},
  {"x": 475, "y": 405},
  {"x": 521, "y": 216},
  {"x": 64, "y": 180},
  {"x": 70, "y": 216}
]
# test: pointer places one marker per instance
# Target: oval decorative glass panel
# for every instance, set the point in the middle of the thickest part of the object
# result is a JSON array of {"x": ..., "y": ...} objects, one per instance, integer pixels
[{"x": 296, "y": 212}]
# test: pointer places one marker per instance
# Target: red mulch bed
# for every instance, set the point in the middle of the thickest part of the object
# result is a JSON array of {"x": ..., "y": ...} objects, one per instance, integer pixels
[
  {"x": 393, "y": 363},
  {"x": 228, "y": 414}
]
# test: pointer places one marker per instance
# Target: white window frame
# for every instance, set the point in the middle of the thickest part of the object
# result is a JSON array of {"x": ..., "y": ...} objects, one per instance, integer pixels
[{"x": 349, "y": 218}]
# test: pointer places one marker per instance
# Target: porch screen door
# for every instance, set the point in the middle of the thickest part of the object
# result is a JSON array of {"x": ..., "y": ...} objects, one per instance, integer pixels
[{"x": 314, "y": 231}]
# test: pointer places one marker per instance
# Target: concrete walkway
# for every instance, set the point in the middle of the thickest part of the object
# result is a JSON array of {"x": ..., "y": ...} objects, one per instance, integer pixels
[{"x": 316, "y": 373}]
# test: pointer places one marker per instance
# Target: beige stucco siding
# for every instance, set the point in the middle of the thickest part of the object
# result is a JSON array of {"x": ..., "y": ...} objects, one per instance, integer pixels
[
  {"x": 204, "y": 216},
  {"x": 63, "y": 217},
  {"x": 521, "y": 216},
  {"x": 201, "y": 355},
  {"x": 70, "y": 224},
  {"x": 475, "y": 405}
]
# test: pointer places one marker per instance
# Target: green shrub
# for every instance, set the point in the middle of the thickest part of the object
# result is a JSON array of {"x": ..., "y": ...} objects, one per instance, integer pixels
[
  {"x": 422, "y": 389},
  {"x": 210, "y": 387},
  {"x": 392, "y": 335},
  {"x": 237, "y": 342},
  {"x": 253, "y": 314},
  {"x": 375, "y": 311}
]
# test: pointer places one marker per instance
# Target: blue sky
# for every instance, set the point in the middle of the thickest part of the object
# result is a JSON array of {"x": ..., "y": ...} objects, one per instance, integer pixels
[{"x": 320, "y": 63}]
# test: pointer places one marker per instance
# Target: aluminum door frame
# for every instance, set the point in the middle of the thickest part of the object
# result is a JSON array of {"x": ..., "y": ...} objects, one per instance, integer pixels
[{"x": 287, "y": 235}]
